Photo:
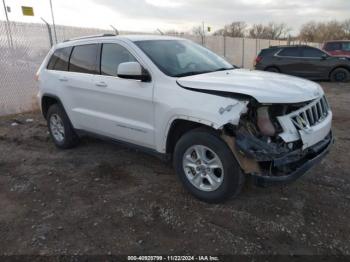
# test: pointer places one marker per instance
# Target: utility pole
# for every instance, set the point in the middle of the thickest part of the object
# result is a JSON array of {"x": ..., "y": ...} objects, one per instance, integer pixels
[
  {"x": 8, "y": 26},
  {"x": 53, "y": 21}
]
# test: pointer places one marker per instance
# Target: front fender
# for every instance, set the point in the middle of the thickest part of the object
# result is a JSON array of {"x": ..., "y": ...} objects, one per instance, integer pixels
[{"x": 215, "y": 113}]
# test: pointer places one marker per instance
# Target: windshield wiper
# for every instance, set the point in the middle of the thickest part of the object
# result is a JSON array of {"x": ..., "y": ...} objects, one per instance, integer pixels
[
  {"x": 191, "y": 73},
  {"x": 223, "y": 69}
]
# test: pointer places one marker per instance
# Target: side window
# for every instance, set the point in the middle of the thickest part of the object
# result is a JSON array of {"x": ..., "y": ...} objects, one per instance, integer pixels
[
  {"x": 59, "y": 59},
  {"x": 311, "y": 52},
  {"x": 290, "y": 51},
  {"x": 268, "y": 52},
  {"x": 111, "y": 56},
  {"x": 84, "y": 59},
  {"x": 333, "y": 46}
]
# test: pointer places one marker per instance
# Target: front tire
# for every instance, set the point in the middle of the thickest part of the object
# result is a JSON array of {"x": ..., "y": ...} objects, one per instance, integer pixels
[
  {"x": 60, "y": 128},
  {"x": 272, "y": 69},
  {"x": 206, "y": 166},
  {"x": 340, "y": 75}
]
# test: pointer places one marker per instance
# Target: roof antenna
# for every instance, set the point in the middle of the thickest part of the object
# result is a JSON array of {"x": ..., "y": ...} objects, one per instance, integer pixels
[
  {"x": 115, "y": 30},
  {"x": 160, "y": 31}
]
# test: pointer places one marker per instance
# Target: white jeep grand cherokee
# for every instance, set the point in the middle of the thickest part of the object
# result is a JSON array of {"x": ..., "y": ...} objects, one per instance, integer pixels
[{"x": 173, "y": 97}]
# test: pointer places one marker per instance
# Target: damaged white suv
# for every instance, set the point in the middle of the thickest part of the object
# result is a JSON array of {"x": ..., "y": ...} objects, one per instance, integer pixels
[{"x": 217, "y": 123}]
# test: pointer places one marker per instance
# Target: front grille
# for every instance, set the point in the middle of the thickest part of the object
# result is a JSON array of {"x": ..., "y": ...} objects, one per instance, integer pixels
[{"x": 311, "y": 115}]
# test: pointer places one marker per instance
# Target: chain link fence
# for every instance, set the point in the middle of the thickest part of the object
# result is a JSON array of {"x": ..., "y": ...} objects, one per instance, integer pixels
[
  {"x": 21, "y": 56},
  {"x": 23, "y": 52}
]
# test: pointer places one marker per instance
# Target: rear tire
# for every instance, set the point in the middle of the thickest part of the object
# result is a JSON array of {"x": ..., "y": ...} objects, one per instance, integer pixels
[
  {"x": 214, "y": 175},
  {"x": 340, "y": 75},
  {"x": 272, "y": 69},
  {"x": 60, "y": 128}
]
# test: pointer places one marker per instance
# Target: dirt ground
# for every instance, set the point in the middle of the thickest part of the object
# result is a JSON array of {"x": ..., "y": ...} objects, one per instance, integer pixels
[{"x": 101, "y": 198}]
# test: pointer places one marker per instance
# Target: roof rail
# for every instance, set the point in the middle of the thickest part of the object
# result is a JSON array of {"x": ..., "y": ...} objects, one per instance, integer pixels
[
  {"x": 89, "y": 36},
  {"x": 291, "y": 45}
]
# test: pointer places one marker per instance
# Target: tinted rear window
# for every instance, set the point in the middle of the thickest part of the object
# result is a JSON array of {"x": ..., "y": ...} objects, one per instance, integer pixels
[
  {"x": 268, "y": 51},
  {"x": 59, "y": 59},
  {"x": 84, "y": 59},
  {"x": 311, "y": 52},
  {"x": 290, "y": 51}
]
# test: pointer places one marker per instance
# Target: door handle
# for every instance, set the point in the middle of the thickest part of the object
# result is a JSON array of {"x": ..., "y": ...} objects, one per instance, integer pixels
[
  {"x": 63, "y": 79},
  {"x": 101, "y": 84}
]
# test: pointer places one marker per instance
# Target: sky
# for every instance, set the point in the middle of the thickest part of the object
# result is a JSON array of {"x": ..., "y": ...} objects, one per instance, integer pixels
[{"x": 180, "y": 15}]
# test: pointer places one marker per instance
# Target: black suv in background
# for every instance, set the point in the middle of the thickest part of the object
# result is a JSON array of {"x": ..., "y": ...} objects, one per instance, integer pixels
[{"x": 304, "y": 61}]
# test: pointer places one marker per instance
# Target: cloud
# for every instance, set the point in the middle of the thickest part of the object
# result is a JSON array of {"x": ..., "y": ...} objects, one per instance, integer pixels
[
  {"x": 176, "y": 13},
  {"x": 182, "y": 15}
]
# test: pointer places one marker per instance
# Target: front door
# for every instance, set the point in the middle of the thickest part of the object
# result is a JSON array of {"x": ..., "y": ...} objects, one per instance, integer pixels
[
  {"x": 124, "y": 106},
  {"x": 314, "y": 63}
]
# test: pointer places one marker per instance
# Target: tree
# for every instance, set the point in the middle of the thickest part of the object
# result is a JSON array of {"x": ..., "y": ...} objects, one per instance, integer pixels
[
  {"x": 308, "y": 32},
  {"x": 258, "y": 31},
  {"x": 270, "y": 31},
  {"x": 277, "y": 31},
  {"x": 198, "y": 31},
  {"x": 235, "y": 29},
  {"x": 346, "y": 28},
  {"x": 323, "y": 31}
]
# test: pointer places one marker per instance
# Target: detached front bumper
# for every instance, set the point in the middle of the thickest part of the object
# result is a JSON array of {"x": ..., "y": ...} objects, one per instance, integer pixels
[{"x": 314, "y": 155}]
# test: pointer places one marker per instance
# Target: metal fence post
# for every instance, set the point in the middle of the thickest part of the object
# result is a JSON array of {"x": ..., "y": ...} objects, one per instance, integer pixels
[
  {"x": 49, "y": 31},
  {"x": 117, "y": 32},
  {"x": 53, "y": 21},
  {"x": 224, "y": 46},
  {"x": 8, "y": 26},
  {"x": 243, "y": 49}
]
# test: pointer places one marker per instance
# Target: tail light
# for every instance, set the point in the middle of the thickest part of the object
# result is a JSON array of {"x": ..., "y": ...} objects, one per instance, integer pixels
[{"x": 257, "y": 60}]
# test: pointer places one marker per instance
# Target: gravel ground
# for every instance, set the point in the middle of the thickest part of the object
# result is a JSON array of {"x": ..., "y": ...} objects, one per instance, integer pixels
[{"x": 101, "y": 198}]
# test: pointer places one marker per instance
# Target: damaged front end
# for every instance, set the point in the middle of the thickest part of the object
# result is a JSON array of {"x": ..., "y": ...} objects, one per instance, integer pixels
[{"x": 279, "y": 143}]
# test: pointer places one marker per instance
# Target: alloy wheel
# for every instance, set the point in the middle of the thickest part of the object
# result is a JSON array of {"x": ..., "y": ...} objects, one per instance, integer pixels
[{"x": 203, "y": 168}]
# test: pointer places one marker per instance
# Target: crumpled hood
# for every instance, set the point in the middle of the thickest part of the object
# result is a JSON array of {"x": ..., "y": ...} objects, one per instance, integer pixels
[{"x": 265, "y": 87}]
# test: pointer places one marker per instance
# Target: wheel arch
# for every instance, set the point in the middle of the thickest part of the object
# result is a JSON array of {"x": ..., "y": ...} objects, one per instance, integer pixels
[
  {"x": 272, "y": 66},
  {"x": 48, "y": 100},
  {"x": 338, "y": 67},
  {"x": 178, "y": 128}
]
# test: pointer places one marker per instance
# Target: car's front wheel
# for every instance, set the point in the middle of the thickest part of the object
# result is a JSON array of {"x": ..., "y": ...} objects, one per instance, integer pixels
[
  {"x": 60, "y": 128},
  {"x": 207, "y": 167},
  {"x": 272, "y": 69},
  {"x": 340, "y": 75}
]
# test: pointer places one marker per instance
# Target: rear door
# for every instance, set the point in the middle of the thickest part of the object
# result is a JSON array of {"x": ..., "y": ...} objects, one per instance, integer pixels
[
  {"x": 56, "y": 71},
  {"x": 314, "y": 63},
  {"x": 79, "y": 89},
  {"x": 288, "y": 61}
]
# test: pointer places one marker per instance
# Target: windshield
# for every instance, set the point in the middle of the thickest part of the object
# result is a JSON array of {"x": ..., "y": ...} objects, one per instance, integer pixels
[{"x": 182, "y": 58}]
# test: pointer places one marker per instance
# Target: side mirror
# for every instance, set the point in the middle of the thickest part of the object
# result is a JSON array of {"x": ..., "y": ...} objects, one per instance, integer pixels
[
  {"x": 133, "y": 70},
  {"x": 324, "y": 57}
]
